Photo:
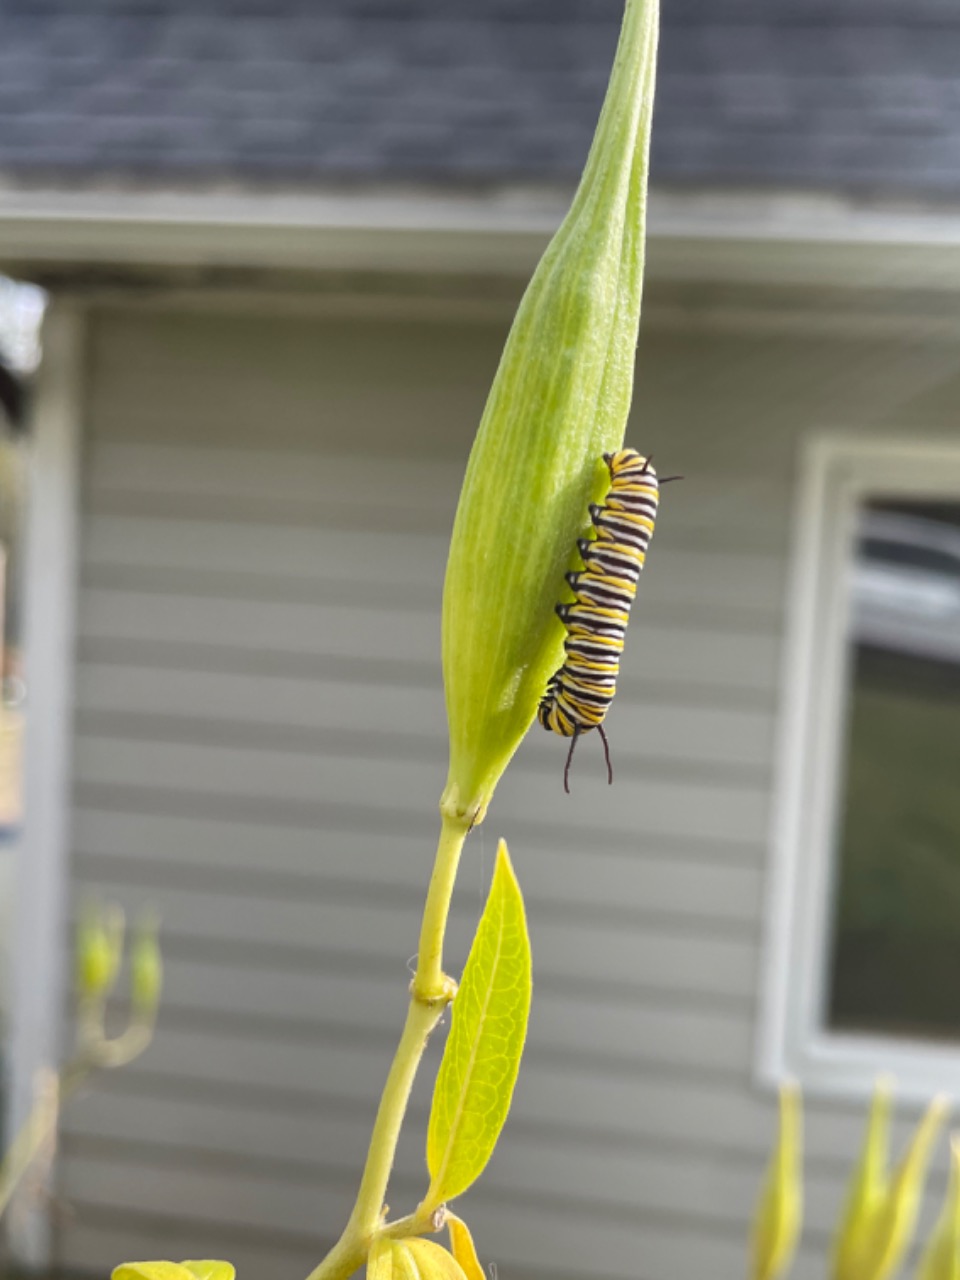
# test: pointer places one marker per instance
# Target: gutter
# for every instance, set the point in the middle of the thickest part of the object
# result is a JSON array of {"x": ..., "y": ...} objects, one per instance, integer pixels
[{"x": 784, "y": 238}]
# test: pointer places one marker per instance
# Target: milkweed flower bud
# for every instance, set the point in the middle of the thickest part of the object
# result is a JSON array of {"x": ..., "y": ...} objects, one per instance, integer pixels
[
  {"x": 941, "y": 1258},
  {"x": 898, "y": 1218},
  {"x": 881, "y": 1211},
  {"x": 146, "y": 971},
  {"x": 780, "y": 1208},
  {"x": 868, "y": 1187},
  {"x": 413, "y": 1259},
  {"x": 99, "y": 950},
  {"x": 559, "y": 400}
]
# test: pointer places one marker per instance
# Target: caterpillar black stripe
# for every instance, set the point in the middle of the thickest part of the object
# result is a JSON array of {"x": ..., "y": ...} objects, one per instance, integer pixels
[{"x": 579, "y": 694}]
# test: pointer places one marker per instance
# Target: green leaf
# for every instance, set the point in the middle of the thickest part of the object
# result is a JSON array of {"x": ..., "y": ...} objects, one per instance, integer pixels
[
  {"x": 151, "y": 1271},
  {"x": 211, "y": 1270},
  {"x": 480, "y": 1064}
]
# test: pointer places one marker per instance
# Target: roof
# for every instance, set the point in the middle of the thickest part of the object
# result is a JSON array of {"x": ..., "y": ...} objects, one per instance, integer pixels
[{"x": 841, "y": 94}]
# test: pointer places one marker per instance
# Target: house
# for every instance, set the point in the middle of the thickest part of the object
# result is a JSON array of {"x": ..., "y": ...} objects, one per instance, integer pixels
[{"x": 283, "y": 246}]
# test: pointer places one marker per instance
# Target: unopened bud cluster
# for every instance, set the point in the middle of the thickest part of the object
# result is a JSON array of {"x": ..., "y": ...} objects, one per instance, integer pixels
[
  {"x": 879, "y": 1219},
  {"x": 99, "y": 958}
]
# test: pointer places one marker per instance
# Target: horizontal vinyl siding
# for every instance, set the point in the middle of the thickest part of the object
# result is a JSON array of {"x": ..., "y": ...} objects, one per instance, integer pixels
[{"x": 260, "y": 745}]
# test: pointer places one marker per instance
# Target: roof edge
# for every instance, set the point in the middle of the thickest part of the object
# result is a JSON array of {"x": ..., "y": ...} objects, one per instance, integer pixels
[{"x": 785, "y": 237}]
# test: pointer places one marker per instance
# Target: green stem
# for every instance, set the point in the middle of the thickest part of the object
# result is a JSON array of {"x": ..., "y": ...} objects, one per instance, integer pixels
[
  {"x": 94, "y": 1050},
  {"x": 430, "y": 985},
  {"x": 100, "y": 1051},
  {"x": 430, "y": 993},
  {"x": 34, "y": 1134},
  {"x": 40, "y": 1126}
]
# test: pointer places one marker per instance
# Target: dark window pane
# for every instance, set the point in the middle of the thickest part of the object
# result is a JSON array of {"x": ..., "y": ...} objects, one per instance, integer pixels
[{"x": 896, "y": 939}]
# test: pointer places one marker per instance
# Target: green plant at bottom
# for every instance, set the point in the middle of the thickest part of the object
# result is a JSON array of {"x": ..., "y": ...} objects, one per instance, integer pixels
[
  {"x": 878, "y": 1222},
  {"x": 941, "y": 1258}
]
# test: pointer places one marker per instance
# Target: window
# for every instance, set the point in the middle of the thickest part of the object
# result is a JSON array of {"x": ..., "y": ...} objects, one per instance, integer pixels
[{"x": 863, "y": 940}]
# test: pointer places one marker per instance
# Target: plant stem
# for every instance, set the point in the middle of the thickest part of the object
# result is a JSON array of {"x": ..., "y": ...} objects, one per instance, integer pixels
[
  {"x": 430, "y": 993},
  {"x": 36, "y": 1132},
  {"x": 53, "y": 1090},
  {"x": 430, "y": 984}
]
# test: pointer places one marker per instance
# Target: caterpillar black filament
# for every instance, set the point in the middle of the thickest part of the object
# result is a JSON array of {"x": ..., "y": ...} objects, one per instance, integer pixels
[{"x": 579, "y": 694}]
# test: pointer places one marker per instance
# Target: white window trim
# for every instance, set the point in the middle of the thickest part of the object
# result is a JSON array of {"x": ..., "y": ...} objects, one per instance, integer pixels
[
  {"x": 836, "y": 473},
  {"x": 42, "y": 872}
]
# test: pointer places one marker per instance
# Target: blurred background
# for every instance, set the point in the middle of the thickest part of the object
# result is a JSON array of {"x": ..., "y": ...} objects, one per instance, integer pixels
[{"x": 279, "y": 246}]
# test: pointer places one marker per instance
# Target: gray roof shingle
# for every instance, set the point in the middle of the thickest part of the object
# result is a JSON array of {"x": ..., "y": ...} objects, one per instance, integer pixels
[{"x": 848, "y": 94}]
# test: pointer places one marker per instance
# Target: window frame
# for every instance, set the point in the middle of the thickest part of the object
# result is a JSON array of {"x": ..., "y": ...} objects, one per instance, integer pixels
[{"x": 837, "y": 473}]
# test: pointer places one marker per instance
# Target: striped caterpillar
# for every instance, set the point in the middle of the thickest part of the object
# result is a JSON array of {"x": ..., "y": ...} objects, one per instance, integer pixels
[{"x": 580, "y": 692}]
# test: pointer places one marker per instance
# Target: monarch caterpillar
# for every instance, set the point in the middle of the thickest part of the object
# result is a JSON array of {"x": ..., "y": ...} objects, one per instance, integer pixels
[{"x": 580, "y": 692}]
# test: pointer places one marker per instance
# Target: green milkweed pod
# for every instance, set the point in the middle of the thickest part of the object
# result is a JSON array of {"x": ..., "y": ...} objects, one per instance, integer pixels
[{"x": 559, "y": 400}]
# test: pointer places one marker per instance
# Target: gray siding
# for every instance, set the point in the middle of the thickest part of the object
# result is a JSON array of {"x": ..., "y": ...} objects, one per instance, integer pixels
[{"x": 260, "y": 749}]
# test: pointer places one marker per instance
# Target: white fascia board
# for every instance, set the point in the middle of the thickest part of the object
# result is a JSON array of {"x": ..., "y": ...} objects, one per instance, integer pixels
[
  {"x": 803, "y": 239},
  {"x": 397, "y": 231},
  {"x": 773, "y": 238}
]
